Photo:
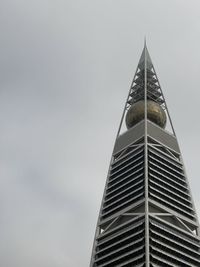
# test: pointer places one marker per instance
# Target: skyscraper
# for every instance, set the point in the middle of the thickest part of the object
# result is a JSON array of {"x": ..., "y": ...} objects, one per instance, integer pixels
[{"x": 147, "y": 216}]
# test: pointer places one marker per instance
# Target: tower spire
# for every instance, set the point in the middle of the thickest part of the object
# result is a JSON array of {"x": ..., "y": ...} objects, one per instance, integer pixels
[
  {"x": 147, "y": 216},
  {"x": 145, "y": 56}
]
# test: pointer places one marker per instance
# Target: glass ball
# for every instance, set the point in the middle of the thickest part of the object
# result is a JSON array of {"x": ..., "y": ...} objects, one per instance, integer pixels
[{"x": 155, "y": 113}]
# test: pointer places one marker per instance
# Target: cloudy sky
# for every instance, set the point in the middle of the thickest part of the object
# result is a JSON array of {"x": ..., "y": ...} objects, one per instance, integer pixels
[{"x": 65, "y": 70}]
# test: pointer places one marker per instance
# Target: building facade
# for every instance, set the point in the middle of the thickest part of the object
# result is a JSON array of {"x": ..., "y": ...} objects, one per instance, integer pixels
[{"x": 147, "y": 216}]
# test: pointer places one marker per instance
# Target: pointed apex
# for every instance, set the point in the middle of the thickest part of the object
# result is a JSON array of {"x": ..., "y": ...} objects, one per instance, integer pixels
[
  {"x": 145, "y": 42},
  {"x": 145, "y": 57}
]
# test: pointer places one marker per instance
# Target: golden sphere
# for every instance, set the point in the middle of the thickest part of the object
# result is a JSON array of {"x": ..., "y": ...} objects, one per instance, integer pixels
[{"x": 155, "y": 113}]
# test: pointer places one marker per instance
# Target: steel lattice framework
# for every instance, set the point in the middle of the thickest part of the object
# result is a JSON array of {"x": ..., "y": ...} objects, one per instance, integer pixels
[{"x": 147, "y": 216}]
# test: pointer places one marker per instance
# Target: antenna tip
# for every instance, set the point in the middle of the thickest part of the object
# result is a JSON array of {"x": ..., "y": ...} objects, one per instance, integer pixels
[{"x": 145, "y": 41}]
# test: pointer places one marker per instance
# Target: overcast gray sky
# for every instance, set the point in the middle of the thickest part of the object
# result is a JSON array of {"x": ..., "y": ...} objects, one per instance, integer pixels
[{"x": 65, "y": 71}]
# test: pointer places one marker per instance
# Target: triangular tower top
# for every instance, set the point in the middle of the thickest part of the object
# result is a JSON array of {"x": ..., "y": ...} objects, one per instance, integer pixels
[
  {"x": 145, "y": 57},
  {"x": 147, "y": 216},
  {"x": 146, "y": 87}
]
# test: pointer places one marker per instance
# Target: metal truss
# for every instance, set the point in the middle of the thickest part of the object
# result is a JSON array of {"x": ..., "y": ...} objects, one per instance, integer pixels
[{"x": 147, "y": 216}]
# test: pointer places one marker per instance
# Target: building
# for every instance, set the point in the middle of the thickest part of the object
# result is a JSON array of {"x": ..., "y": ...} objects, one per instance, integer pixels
[{"x": 147, "y": 217}]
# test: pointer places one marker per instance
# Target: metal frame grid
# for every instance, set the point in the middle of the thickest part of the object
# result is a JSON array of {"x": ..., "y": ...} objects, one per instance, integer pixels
[{"x": 147, "y": 216}]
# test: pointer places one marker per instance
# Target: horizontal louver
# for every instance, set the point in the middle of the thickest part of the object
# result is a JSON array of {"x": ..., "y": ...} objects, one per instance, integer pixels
[
  {"x": 172, "y": 247},
  {"x": 122, "y": 246},
  {"x": 125, "y": 182},
  {"x": 167, "y": 184}
]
